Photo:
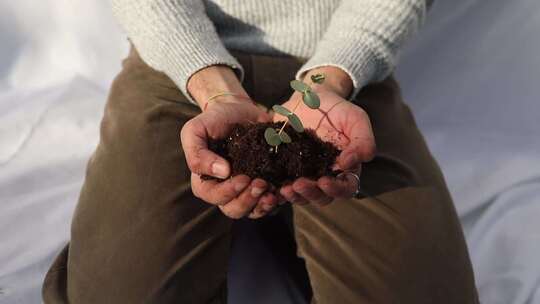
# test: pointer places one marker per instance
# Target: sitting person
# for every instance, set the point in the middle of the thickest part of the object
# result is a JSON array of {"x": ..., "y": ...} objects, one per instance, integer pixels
[{"x": 147, "y": 229}]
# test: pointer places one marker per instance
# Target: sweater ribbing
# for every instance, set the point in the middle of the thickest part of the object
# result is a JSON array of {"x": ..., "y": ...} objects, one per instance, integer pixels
[{"x": 180, "y": 37}]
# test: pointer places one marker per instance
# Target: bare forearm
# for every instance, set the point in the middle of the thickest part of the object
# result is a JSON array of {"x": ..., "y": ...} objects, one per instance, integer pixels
[
  {"x": 213, "y": 80},
  {"x": 336, "y": 80}
]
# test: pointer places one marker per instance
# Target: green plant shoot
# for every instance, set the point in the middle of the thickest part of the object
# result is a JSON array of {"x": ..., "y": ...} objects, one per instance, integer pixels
[{"x": 275, "y": 137}]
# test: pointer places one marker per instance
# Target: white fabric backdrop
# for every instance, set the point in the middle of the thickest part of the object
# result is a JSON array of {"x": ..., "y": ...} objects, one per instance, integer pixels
[{"x": 471, "y": 78}]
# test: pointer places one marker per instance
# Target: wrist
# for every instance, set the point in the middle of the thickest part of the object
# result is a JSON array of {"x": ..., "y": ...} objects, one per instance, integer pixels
[
  {"x": 212, "y": 82},
  {"x": 336, "y": 80},
  {"x": 227, "y": 97}
]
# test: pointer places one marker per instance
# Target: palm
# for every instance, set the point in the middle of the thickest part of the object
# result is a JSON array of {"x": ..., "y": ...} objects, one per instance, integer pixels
[
  {"x": 219, "y": 119},
  {"x": 337, "y": 121}
]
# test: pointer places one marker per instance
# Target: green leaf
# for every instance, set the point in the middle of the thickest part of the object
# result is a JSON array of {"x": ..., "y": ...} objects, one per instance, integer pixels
[
  {"x": 271, "y": 137},
  {"x": 285, "y": 137},
  {"x": 299, "y": 86},
  {"x": 296, "y": 123},
  {"x": 318, "y": 78},
  {"x": 311, "y": 99},
  {"x": 281, "y": 110}
]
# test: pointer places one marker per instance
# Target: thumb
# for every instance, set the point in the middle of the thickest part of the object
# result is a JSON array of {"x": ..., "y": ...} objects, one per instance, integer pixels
[
  {"x": 206, "y": 162},
  {"x": 361, "y": 147},
  {"x": 199, "y": 158},
  {"x": 352, "y": 157},
  {"x": 348, "y": 161}
]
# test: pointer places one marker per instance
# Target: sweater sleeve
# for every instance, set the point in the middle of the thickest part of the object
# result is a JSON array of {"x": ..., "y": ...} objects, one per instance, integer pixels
[
  {"x": 364, "y": 37},
  {"x": 173, "y": 36}
]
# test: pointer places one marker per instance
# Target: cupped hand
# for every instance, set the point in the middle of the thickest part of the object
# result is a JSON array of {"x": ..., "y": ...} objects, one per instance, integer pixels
[
  {"x": 345, "y": 125},
  {"x": 236, "y": 196}
]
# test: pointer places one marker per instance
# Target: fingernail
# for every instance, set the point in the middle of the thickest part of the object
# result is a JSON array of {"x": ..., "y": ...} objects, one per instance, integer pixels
[
  {"x": 219, "y": 169},
  {"x": 239, "y": 186},
  {"x": 256, "y": 191}
]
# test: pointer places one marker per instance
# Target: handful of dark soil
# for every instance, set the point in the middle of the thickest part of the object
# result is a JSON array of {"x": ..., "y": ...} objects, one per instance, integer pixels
[{"x": 249, "y": 154}]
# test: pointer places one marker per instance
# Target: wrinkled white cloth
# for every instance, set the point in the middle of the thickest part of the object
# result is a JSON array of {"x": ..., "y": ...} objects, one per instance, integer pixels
[{"x": 471, "y": 78}]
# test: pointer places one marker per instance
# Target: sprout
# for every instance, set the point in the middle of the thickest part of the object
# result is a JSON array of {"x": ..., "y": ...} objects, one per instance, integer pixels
[
  {"x": 272, "y": 137},
  {"x": 311, "y": 99},
  {"x": 317, "y": 78},
  {"x": 275, "y": 137}
]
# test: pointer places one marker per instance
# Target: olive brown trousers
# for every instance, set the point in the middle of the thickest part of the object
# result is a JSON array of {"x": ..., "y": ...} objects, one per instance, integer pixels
[{"x": 139, "y": 235}]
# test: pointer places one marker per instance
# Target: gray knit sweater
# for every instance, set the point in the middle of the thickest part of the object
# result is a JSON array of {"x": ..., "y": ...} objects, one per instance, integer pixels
[{"x": 180, "y": 37}]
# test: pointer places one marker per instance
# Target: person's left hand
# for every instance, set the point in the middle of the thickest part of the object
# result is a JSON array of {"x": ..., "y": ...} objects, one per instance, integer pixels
[{"x": 345, "y": 125}]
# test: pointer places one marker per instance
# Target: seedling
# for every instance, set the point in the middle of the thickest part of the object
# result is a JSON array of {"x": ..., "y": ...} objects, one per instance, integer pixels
[{"x": 275, "y": 137}]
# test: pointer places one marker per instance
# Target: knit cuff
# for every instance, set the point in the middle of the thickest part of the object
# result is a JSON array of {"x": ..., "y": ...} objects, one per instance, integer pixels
[
  {"x": 185, "y": 59},
  {"x": 177, "y": 39},
  {"x": 180, "y": 60}
]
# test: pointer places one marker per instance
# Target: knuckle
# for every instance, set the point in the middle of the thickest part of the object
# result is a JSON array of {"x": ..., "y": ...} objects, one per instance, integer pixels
[
  {"x": 231, "y": 213},
  {"x": 235, "y": 216}
]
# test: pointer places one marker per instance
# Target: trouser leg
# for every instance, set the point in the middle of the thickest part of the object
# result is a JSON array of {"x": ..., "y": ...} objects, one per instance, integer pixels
[
  {"x": 404, "y": 244},
  {"x": 138, "y": 234}
]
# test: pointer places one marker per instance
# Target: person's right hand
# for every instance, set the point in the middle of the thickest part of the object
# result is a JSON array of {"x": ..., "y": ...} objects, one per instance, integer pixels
[{"x": 236, "y": 196}]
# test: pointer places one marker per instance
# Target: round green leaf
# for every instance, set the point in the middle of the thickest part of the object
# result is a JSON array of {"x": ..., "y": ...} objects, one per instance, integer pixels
[
  {"x": 296, "y": 123},
  {"x": 299, "y": 86},
  {"x": 318, "y": 78},
  {"x": 271, "y": 137},
  {"x": 311, "y": 100},
  {"x": 285, "y": 137},
  {"x": 281, "y": 110}
]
